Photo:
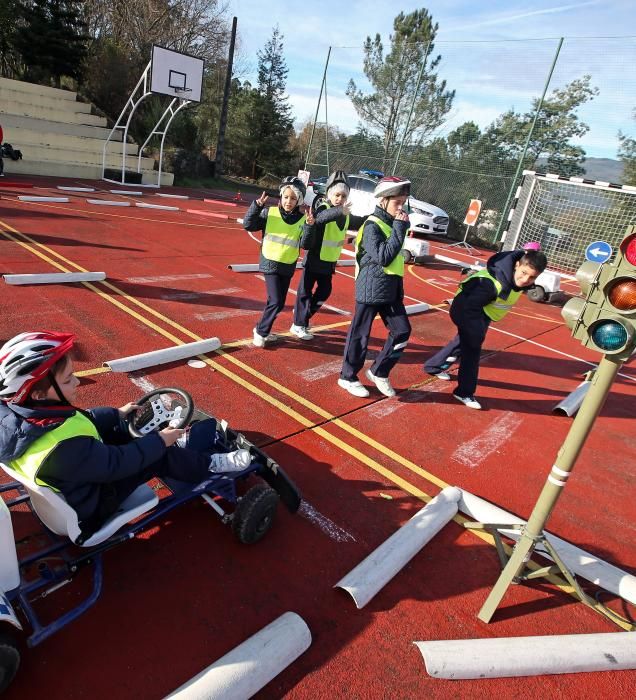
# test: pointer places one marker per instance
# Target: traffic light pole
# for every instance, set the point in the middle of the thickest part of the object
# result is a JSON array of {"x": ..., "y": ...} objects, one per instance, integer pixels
[{"x": 532, "y": 533}]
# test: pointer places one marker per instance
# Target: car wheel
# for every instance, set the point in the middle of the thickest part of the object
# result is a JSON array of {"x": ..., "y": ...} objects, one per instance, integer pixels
[
  {"x": 254, "y": 514},
  {"x": 537, "y": 294},
  {"x": 9, "y": 659}
]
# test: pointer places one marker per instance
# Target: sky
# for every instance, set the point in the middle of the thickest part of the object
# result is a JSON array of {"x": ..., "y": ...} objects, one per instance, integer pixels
[{"x": 496, "y": 55}]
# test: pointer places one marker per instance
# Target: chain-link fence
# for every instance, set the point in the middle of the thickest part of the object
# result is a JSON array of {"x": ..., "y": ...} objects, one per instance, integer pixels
[{"x": 517, "y": 105}]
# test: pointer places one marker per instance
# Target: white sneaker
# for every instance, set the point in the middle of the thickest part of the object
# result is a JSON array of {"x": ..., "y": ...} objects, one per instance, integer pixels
[
  {"x": 383, "y": 384},
  {"x": 450, "y": 359},
  {"x": 469, "y": 401},
  {"x": 258, "y": 340},
  {"x": 354, "y": 388},
  {"x": 301, "y": 332},
  {"x": 235, "y": 461},
  {"x": 442, "y": 375}
]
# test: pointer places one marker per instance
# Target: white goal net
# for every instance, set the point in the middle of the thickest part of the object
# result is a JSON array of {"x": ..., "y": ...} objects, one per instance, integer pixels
[{"x": 565, "y": 215}]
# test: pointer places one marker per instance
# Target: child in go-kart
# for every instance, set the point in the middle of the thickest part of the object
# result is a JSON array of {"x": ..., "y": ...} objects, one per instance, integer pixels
[{"x": 89, "y": 456}]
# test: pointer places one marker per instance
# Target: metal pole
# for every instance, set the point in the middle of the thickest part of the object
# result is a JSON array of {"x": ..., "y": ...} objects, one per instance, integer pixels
[
  {"x": 313, "y": 128},
  {"x": 220, "y": 142},
  {"x": 326, "y": 130},
  {"x": 413, "y": 101},
  {"x": 527, "y": 143},
  {"x": 601, "y": 383}
]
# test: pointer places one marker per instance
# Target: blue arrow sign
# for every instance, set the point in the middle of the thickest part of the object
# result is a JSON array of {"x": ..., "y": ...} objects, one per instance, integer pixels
[{"x": 598, "y": 252}]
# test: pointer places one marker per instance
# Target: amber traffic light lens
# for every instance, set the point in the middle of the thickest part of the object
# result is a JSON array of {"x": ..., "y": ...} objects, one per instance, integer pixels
[{"x": 622, "y": 294}]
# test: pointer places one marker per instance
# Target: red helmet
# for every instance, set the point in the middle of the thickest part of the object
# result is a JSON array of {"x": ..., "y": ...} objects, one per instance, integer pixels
[
  {"x": 27, "y": 358},
  {"x": 392, "y": 186}
]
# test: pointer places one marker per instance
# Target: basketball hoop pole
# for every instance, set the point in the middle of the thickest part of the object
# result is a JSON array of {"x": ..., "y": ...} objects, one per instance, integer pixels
[{"x": 463, "y": 243}]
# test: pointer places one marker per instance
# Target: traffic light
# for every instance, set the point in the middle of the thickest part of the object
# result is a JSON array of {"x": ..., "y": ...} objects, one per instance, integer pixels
[{"x": 606, "y": 319}]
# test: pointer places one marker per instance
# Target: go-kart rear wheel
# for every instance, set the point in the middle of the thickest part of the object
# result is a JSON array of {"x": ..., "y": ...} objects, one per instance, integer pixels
[
  {"x": 9, "y": 659},
  {"x": 255, "y": 513}
]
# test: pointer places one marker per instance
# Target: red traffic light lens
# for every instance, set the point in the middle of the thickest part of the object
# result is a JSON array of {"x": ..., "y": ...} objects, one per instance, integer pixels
[
  {"x": 629, "y": 250},
  {"x": 622, "y": 293}
]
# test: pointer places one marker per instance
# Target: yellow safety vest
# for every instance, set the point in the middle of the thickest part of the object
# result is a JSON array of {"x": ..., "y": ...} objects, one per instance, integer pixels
[
  {"x": 30, "y": 461},
  {"x": 396, "y": 266},
  {"x": 333, "y": 240},
  {"x": 498, "y": 308},
  {"x": 281, "y": 242}
]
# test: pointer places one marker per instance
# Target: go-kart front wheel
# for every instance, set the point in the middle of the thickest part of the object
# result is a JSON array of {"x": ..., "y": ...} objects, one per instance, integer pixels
[{"x": 254, "y": 514}]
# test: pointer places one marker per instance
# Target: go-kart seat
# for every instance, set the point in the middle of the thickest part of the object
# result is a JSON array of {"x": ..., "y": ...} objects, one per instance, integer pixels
[{"x": 53, "y": 510}]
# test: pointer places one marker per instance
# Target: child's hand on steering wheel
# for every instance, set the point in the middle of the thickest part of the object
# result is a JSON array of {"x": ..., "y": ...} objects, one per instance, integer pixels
[
  {"x": 128, "y": 408},
  {"x": 171, "y": 435}
]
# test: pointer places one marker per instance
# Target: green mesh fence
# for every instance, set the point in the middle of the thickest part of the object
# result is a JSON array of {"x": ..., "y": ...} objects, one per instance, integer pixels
[{"x": 453, "y": 164}]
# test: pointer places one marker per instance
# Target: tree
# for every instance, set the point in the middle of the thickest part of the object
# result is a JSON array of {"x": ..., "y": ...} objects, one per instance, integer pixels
[
  {"x": 549, "y": 149},
  {"x": 627, "y": 153},
  {"x": 10, "y": 60},
  {"x": 267, "y": 136},
  {"x": 394, "y": 79},
  {"x": 53, "y": 40}
]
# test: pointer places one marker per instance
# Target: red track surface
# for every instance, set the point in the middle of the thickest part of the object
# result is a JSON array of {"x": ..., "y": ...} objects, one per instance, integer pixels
[{"x": 183, "y": 595}]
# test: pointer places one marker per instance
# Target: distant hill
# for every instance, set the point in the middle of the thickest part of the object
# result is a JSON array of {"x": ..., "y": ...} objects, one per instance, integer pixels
[{"x": 605, "y": 169}]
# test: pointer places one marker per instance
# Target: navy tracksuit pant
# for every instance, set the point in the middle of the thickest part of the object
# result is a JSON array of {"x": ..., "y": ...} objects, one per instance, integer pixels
[
  {"x": 277, "y": 288},
  {"x": 395, "y": 319},
  {"x": 466, "y": 346},
  {"x": 309, "y": 301}
]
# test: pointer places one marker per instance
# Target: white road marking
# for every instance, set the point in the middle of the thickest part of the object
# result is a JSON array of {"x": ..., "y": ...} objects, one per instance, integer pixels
[
  {"x": 475, "y": 451},
  {"x": 342, "y": 312},
  {"x": 186, "y": 296},
  {"x": 383, "y": 408},
  {"x": 169, "y": 278},
  {"x": 335, "y": 532},
  {"x": 144, "y": 384},
  {"x": 222, "y": 315},
  {"x": 321, "y": 371}
]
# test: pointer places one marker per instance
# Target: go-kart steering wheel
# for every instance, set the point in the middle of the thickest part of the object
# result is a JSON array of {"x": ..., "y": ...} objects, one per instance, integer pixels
[{"x": 153, "y": 414}]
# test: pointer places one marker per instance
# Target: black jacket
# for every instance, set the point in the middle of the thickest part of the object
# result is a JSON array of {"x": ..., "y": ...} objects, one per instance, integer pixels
[
  {"x": 79, "y": 466},
  {"x": 313, "y": 237},
  {"x": 373, "y": 285},
  {"x": 467, "y": 309},
  {"x": 256, "y": 220}
]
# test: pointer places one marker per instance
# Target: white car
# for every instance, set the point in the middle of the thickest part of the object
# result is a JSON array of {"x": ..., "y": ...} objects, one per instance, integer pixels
[{"x": 426, "y": 218}]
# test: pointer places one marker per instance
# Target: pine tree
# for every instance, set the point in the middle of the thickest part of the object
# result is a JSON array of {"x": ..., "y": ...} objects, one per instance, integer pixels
[
  {"x": 53, "y": 40},
  {"x": 627, "y": 154},
  {"x": 394, "y": 78}
]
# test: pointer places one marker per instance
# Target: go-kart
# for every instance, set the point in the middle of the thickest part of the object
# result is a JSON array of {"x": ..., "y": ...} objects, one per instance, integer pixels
[{"x": 246, "y": 500}]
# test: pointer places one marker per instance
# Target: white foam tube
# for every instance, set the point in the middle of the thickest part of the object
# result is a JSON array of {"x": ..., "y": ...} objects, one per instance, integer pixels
[
  {"x": 580, "y": 562},
  {"x": 572, "y": 402},
  {"x": 460, "y": 263},
  {"x": 75, "y": 189},
  {"x": 416, "y": 308},
  {"x": 126, "y": 192},
  {"x": 246, "y": 669},
  {"x": 109, "y": 202},
  {"x": 161, "y": 357},
  {"x": 146, "y": 205},
  {"x": 244, "y": 267},
  {"x": 374, "y": 572},
  {"x": 55, "y": 278},
  {"x": 172, "y": 196},
  {"x": 529, "y": 656},
  {"x": 345, "y": 263},
  {"x": 33, "y": 198}
]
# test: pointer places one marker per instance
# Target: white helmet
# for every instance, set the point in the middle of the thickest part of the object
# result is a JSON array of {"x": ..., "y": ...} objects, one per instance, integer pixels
[
  {"x": 27, "y": 358},
  {"x": 392, "y": 186}
]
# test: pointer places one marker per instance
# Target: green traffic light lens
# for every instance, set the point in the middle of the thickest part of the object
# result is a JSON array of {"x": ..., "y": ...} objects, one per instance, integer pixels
[{"x": 609, "y": 336}]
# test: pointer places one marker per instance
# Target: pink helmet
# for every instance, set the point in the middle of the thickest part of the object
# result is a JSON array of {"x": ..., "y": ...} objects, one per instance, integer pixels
[
  {"x": 532, "y": 245},
  {"x": 27, "y": 358}
]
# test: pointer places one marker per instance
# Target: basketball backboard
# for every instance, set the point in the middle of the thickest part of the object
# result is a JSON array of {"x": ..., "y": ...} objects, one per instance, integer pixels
[{"x": 176, "y": 74}]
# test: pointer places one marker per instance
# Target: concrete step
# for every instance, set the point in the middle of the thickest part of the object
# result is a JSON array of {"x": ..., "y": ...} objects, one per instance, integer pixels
[
  {"x": 29, "y": 109},
  {"x": 77, "y": 171},
  {"x": 12, "y": 122},
  {"x": 24, "y": 139},
  {"x": 23, "y": 86},
  {"x": 9, "y": 95},
  {"x": 83, "y": 157}
]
